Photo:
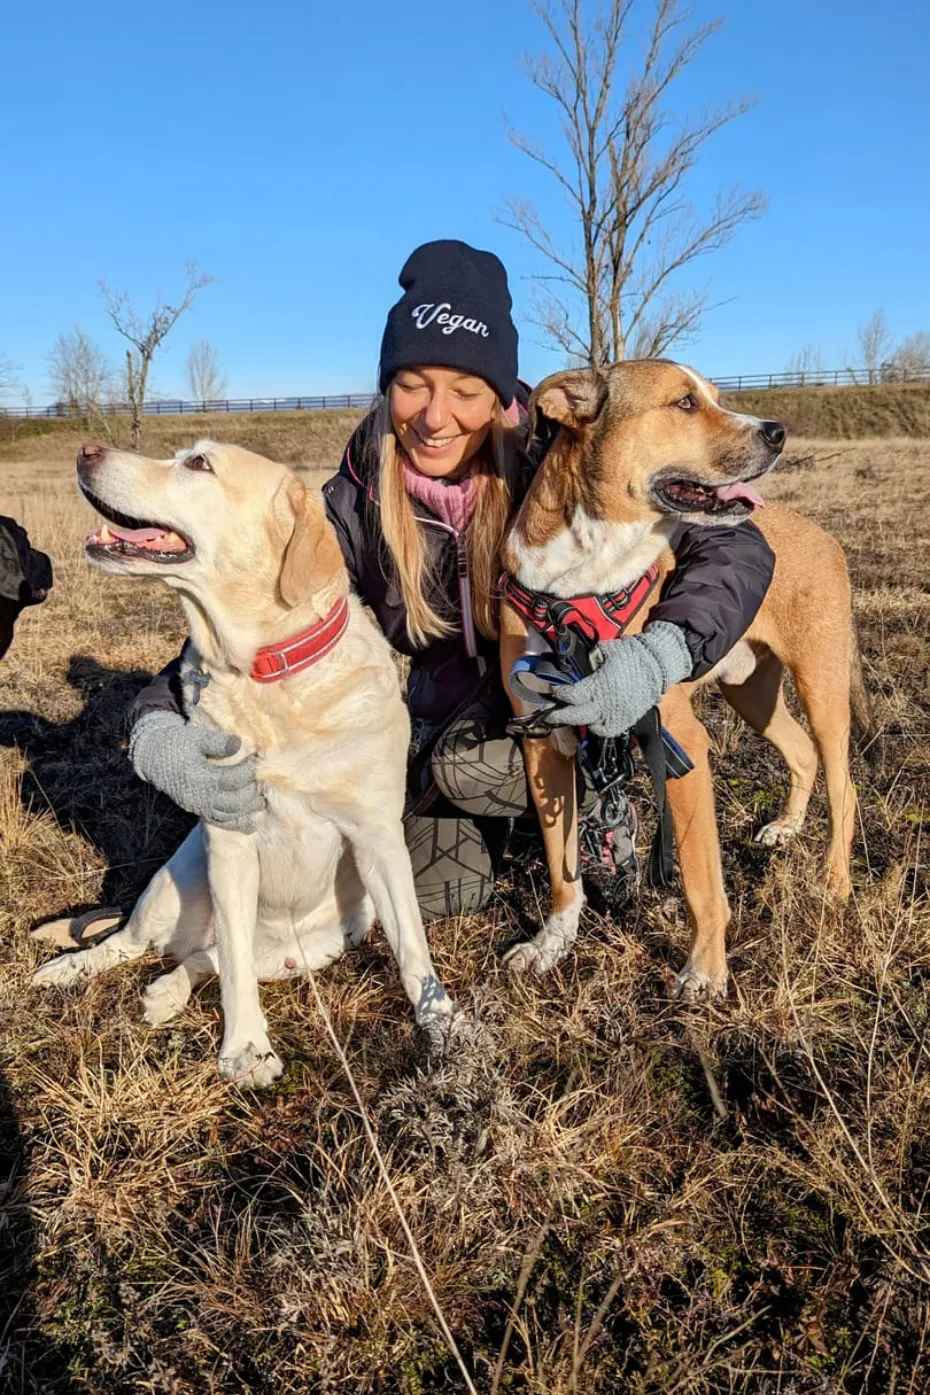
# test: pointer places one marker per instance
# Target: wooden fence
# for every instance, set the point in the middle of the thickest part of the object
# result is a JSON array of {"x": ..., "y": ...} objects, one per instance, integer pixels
[{"x": 740, "y": 382}]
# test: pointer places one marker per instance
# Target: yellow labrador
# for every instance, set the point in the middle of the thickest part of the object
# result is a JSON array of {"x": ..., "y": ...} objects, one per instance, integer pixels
[{"x": 284, "y": 658}]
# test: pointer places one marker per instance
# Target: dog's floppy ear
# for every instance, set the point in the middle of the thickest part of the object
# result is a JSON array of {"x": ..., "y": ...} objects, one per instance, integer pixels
[
  {"x": 312, "y": 556},
  {"x": 573, "y": 398}
]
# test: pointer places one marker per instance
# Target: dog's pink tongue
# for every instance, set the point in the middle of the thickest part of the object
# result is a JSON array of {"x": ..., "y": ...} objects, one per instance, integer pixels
[
  {"x": 727, "y": 493},
  {"x": 155, "y": 539},
  {"x": 136, "y": 535}
]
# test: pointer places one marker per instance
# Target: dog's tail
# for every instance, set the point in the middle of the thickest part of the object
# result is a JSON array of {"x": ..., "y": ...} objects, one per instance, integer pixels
[
  {"x": 864, "y": 729},
  {"x": 79, "y": 931}
]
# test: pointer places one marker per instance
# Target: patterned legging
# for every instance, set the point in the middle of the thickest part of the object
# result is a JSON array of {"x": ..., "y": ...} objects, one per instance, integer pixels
[{"x": 457, "y": 843}]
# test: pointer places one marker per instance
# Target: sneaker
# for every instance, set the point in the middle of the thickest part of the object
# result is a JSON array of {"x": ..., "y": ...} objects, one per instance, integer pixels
[{"x": 608, "y": 848}]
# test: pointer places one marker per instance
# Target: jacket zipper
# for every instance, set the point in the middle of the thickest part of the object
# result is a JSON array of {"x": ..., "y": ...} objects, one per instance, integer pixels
[{"x": 464, "y": 580}]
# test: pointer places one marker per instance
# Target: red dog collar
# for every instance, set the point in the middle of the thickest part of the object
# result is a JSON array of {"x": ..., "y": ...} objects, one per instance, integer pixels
[{"x": 280, "y": 660}]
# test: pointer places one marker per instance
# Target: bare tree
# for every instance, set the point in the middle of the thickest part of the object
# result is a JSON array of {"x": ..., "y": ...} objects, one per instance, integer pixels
[
  {"x": 874, "y": 345},
  {"x": 807, "y": 362},
  {"x": 911, "y": 359},
  {"x": 8, "y": 371},
  {"x": 145, "y": 335},
  {"x": 206, "y": 382},
  {"x": 80, "y": 374},
  {"x": 623, "y": 174}
]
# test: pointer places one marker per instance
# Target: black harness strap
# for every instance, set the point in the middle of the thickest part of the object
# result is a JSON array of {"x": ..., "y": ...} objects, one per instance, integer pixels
[{"x": 648, "y": 732}]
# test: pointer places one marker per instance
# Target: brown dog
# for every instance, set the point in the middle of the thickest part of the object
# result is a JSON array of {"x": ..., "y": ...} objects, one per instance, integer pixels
[{"x": 645, "y": 445}]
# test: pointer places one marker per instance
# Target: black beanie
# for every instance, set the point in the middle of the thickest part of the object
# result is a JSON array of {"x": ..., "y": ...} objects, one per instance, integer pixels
[{"x": 454, "y": 313}]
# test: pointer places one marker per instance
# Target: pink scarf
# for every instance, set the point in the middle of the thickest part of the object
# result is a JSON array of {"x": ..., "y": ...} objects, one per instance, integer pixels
[{"x": 452, "y": 501}]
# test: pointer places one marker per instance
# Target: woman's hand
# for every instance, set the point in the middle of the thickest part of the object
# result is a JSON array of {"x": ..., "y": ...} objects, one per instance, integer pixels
[
  {"x": 635, "y": 674},
  {"x": 175, "y": 757}
]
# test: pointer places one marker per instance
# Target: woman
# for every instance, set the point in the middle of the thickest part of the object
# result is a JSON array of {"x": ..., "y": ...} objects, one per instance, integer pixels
[{"x": 420, "y": 506}]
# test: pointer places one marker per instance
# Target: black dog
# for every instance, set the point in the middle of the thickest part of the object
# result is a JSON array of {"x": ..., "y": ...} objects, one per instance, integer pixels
[{"x": 25, "y": 577}]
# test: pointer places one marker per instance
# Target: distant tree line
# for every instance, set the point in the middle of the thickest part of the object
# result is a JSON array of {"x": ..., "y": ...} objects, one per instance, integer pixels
[
  {"x": 85, "y": 381},
  {"x": 879, "y": 358}
]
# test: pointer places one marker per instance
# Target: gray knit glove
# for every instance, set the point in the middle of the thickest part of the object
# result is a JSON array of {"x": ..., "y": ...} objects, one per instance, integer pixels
[
  {"x": 171, "y": 754},
  {"x": 633, "y": 677}
]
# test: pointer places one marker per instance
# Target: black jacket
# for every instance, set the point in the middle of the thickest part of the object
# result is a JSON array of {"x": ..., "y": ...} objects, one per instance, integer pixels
[
  {"x": 721, "y": 577},
  {"x": 720, "y": 581}
]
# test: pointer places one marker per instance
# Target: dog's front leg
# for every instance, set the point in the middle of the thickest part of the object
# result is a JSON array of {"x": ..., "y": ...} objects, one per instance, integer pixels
[
  {"x": 551, "y": 778},
  {"x": 232, "y": 859},
  {"x": 383, "y": 864},
  {"x": 550, "y": 771},
  {"x": 691, "y": 800}
]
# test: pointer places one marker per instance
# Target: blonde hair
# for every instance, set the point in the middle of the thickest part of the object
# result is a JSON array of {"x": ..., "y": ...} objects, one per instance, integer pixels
[{"x": 410, "y": 555}]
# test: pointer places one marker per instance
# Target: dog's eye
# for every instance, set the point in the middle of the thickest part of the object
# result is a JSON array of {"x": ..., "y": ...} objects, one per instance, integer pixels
[
  {"x": 198, "y": 462},
  {"x": 686, "y": 403}
]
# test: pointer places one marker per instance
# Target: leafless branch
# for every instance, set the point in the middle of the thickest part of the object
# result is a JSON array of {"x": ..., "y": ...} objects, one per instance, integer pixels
[
  {"x": 623, "y": 169},
  {"x": 875, "y": 345},
  {"x": 8, "y": 372},
  {"x": 81, "y": 376},
  {"x": 206, "y": 381},
  {"x": 807, "y": 362},
  {"x": 145, "y": 334},
  {"x": 911, "y": 359}
]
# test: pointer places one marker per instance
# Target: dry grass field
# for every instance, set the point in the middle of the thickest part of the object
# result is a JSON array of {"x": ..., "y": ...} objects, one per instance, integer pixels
[
  {"x": 589, "y": 1220},
  {"x": 887, "y": 409}
]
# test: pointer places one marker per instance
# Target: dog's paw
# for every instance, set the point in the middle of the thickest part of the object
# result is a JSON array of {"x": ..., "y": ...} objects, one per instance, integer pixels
[
  {"x": 252, "y": 1066},
  {"x": 61, "y": 972},
  {"x": 357, "y": 927},
  {"x": 536, "y": 956},
  {"x": 526, "y": 958},
  {"x": 693, "y": 985},
  {"x": 777, "y": 833},
  {"x": 553, "y": 942},
  {"x": 443, "y": 1032},
  {"x": 839, "y": 886},
  {"x": 166, "y": 997},
  {"x": 435, "y": 1014}
]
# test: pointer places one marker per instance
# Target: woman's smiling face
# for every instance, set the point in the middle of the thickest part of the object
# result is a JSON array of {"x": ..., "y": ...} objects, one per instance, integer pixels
[{"x": 441, "y": 417}]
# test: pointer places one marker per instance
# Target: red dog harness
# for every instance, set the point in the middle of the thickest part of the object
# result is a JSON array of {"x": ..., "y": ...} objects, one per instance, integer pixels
[
  {"x": 593, "y": 618},
  {"x": 280, "y": 660}
]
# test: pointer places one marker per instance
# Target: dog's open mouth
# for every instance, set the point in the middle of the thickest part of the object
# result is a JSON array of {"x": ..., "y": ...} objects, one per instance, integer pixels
[
  {"x": 735, "y": 500},
  {"x": 122, "y": 536}
]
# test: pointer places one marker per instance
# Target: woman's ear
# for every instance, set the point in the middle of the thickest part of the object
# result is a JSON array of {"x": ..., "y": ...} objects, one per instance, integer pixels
[{"x": 312, "y": 557}]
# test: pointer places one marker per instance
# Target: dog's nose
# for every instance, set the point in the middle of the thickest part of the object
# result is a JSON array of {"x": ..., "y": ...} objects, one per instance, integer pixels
[
  {"x": 773, "y": 433},
  {"x": 90, "y": 450}
]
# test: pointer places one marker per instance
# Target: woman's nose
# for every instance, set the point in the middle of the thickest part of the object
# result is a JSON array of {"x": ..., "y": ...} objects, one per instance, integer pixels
[{"x": 436, "y": 414}]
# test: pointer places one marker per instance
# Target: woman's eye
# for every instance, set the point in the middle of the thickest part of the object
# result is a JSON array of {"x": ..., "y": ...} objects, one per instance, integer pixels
[
  {"x": 686, "y": 403},
  {"x": 198, "y": 462},
  {"x": 468, "y": 396}
]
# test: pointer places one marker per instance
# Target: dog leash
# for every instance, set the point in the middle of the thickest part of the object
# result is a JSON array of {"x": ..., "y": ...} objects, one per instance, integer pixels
[{"x": 606, "y": 762}]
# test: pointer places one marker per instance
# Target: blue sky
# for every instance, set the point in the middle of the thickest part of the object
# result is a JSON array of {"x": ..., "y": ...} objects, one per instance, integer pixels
[{"x": 298, "y": 152}]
